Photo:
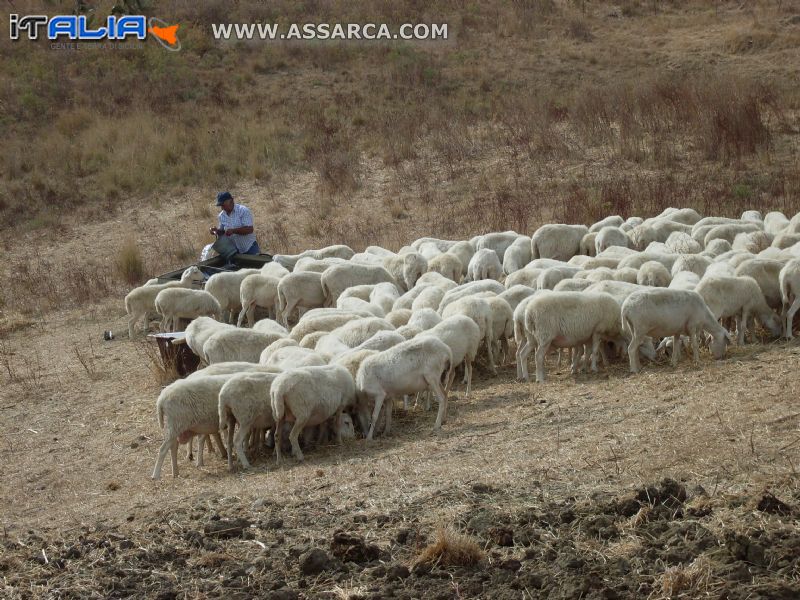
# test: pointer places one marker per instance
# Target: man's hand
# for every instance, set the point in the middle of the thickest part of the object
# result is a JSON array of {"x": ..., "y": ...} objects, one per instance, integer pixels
[{"x": 229, "y": 232}]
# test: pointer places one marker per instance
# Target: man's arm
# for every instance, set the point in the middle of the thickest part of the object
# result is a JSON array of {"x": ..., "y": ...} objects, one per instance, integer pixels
[{"x": 244, "y": 230}]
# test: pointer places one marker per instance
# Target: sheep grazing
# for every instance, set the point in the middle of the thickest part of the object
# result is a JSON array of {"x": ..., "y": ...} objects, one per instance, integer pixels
[
  {"x": 753, "y": 241},
  {"x": 516, "y": 294},
  {"x": 229, "y": 368},
  {"x": 245, "y": 399},
  {"x": 789, "y": 282},
  {"x": 309, "y": 396},
  {"x": 480, "y": 311},
  {"x": 322, "y": 323},
  {"x": 202, "y": 328},
  {"x": 654, "y": 274},
  {"x": 661, "y": 312},
  {"x": 517, "y": 255},
  {"x": 557, "y": 241},
  {"x": 406, "y": 268},
  {"x": 766, "y": 272},
  {"x": 717, "y": 247},
  {"x": 447, "y": 265},
  {"x": 186, "y": 408},
  {"x": 298, "y": 291},
  {"x": 527, "y": 276},
  {"x": 273, "y": 269},
  {"x": 548, "y": 278},
  {"x": 729, "y": 231},
  {"x": 270, "y": 326},
  {"x": 398, "y": 317},
  {"x": 289, "y": 357},
  {"x": 237, "y": 344},
  {"x": 424, "y": 318},
  {"x": 463, "y": 337},
  {"x": 499, "y": 242},
  {"x": 313, "y": 265},
  {"x": 174, "y": 304},
  {"x": 567, "y": 320},
  {"x": 225, "y": 288},
  {"x": 468, "y": 289},
  {"x": 612, "y": 221},
  {"x": 384, "y": 295},
  {"x": 775, "y": 222},
  {"x": 257, "y": 291},
  {"x": 360, "y": 305},
  {"x": 588, "y": 247},
  {"x": 738, "y": 297},
  {"x": 608, "y": 237},
  {"x": 572, "y": 285},
  {"x": 413, "y": 366},
  {"x": 430, "y": 297},
  {"x": 484, "y": 265},
  {"x": 680, "y": 242},
  {"x": 140, "y": 302},
  {"x": 695, "y": 263},
  {"x": 338, "y": 278}
]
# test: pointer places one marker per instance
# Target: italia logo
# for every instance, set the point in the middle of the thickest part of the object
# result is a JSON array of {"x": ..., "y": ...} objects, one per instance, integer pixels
[{"x": 75, "y": 27}]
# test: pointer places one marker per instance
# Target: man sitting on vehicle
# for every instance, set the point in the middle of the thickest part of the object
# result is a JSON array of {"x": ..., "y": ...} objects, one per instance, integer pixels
[{"x": 236, "y": 221}]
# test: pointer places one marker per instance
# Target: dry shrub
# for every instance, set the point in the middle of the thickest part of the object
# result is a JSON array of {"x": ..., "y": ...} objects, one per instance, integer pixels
[
  {"x": 578, "y": 29},
  {"x": 692, "y": 580},
  {"x": 164, "y": 372},
  {"x": 751, "y": 40},
  {"x": 450, "y": 549},
  {"x": 129, "y": 263}
]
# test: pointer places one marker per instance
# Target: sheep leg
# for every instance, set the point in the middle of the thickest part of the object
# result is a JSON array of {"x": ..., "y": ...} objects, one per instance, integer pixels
[
  {"x": 489, "y": 339},
  {"x": 132, "y": 318},
  {"x": 577, "y": 356},
  {"x": 521, "y": 348},
  {"x": 676, "y": 349},
  {"x": 387, "y": 408},
  {"x": 166, "y": 446},
  {"x": 595, "y": 350},
  {"x": 287, "y": 311},
  {"x": 695, "y": 347},
  {"x": 294, "y": 438},
  {"x": 376, "y": 411},
  {"x": 222, "y": 451},
  {"x": 427, "y": 400},
  {"x": 338, "y": 425},
  {"x": 231, "y": 427},
  {"x": 436, "y": 386},
  {"x": 174, "y": 452},
  {"x": 468, "y": 374},
  {"x": 238, "y": 443},
  {"x": 242, "y": 314},
  {"x": 541, "y": 351},
  {"x": 200, "y": 448},
  {"x": 633, "y": 353},
  {"x": 740, "y": 330},
  {"x": 525, "y": 352},
  {"x": 790, "y": 317}
]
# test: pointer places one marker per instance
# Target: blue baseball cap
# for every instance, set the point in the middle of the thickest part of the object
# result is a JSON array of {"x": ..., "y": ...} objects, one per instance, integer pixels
[{"x": 222, "y": 196}]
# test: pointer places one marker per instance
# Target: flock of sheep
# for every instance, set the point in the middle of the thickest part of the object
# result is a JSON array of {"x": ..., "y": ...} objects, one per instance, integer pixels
[{"x": 346, "y": 333}]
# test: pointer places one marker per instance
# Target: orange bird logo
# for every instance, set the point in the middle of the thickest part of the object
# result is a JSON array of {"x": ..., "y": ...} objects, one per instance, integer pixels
[{"x": 168, "y": 34}]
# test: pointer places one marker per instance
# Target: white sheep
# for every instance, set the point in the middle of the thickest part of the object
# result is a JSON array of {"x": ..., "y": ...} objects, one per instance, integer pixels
[
  {"x": 174, "y": 304},
  {"x": 595, "y": 275},
  {"x": 424, "y": 318},
  {"x": 463, "y": 251},
  {"x": 517, "y": 255},
  {"x": 484, "y": 265},
  {"x": 266, "y": 353},
  {"x": 785, "y": 240},
  {"x": 567, "y": 320},
  {"x": 273, "y": 269},
  {"x": 289, "y": 357},
  {"x": 245, "y": 399},
  {"x": 447, "y": 265},
  {"x": 238, "y": 344},
  {"x": 636, "y": 261},
  {"x": 680, "y": 242},
  {"x": 527, "y": 276},
  {"x": 766, "y": 272},
  {"x": 430, "y": 297},
  {"x": 612, "y": 221},
  {"x": 717, "y": 247},
  {"x": 322, "y": 322},
  {"x": 225, "y": 288},
  {"x": 630, "y": 223},
  {"x": 557, "y": 241},
  {"x": 260, "y": 291},
  {"x": 696, "y": 263},
  {"x": 338, "y": 278},
  {"x": 729, "y": 231},
  {"x": 413, "y": 366},
  {"x": 470, "y": 288},
  {"x": 309, "y": 396},
  {"x": 315, "y": 265},
  {"x": 463, "y": 337},
  {"x": 270, "y": 326},
  {"x": 660, "y": 312},
  {"x": 360, "y": 305},
  {"x": 789, "y": 282},
  {"x": 405, "y": 268},
  {"x": 229, "y": 368},
  {"x": 299, "y": 291},
  {"x": 753, "y": 241},
  {"x": 548, "y": 278},
  {"x": 654, "y": 230},
  {"x": 312, "y": 339},
  {"x": 626, "y": 274},
  {"x": 384, "y": 295},
  {"x": 740, "y": 298},
  {"x": 572, "y": 285},
  {"x": 588, "y": 245},
  {"x": 687, "y": 216},
  {"x": 516, "y": 294},
  {"x": 684, "y": 280},
  {"x": 199, "y": 330},
  {"x": 140, "y": 302},
  {"x": 399, "y": 316},
  {"x": 186, "y": 408},
  {"x": 775, "y": 222},
  {"x": 654, "y": 274},
  {"x": 479, "y": 310},
  {"x": 608, "y": 237},
  {"x": 499, "y": 242}
]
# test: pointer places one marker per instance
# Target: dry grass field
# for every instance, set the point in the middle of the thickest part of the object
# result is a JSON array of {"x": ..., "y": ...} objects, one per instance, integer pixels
[{"x": 675, "y": 483}]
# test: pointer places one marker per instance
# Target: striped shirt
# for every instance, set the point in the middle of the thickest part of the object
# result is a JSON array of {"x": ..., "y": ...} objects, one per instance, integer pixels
[{"x": 240, "y": 217}]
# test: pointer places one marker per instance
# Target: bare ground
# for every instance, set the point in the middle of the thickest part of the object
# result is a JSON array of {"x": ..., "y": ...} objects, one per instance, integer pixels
[{"x": 554, "y": 481}]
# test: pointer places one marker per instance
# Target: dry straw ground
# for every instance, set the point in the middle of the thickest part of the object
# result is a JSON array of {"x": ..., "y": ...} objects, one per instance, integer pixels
[{"x": 537, "y": 111}]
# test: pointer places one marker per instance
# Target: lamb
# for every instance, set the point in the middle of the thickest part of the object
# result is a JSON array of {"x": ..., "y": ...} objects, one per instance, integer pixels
[
  {"x": 225, "y": 288},
  {"x": 588, "y": 245},
  {"x": 766, "y": 272},
  {"x": 357, "y": 332},
  {"x": 480, "y": 311},
  {"x": 186, "y": 408},
  {"x": 636, "y": 261},
  {"x": 661, "y": 312},
  {"x": 174, "y": 304},
  {"x": 200, "y": 330},
  {"x": 271, "y": 327},
  {"x": 140, "y": 302},
  {"x": 309, "y": 396},
  {"x": 738, "y": 297},
  {"x": 299, "y": 291},
  {"x": 245, "y": 399},
  {"x": 484, "y": 265},
  {"x": 362, "y": 292},
  {"x": 463, "y": 337},
  {"x": 566, "y": 320},
  {"x": 608, "y": 237},
  {"x": 789, "y": 283},
  {"x": 680, "y": 242},
  {"x": 517, "y": 255},
  {"x": 413, "y": 366},
  {"x": 720, "y": 269},
  {"x": 383, "y": 340},
  {"x": 448, "y": 265},
  {"x": 612, "y": 221},
  {"x": 257, "y": 291},
  {"x": 338, "y": 278},
  {"x": 557, "y": 241},
  {"x": 775, "y": 222},
  {"x": 654, "y": 274},
  {"x": 502, "y": 320},
  {"x": 696, "y": 263},
  {"x": 238, "y": 344}
]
